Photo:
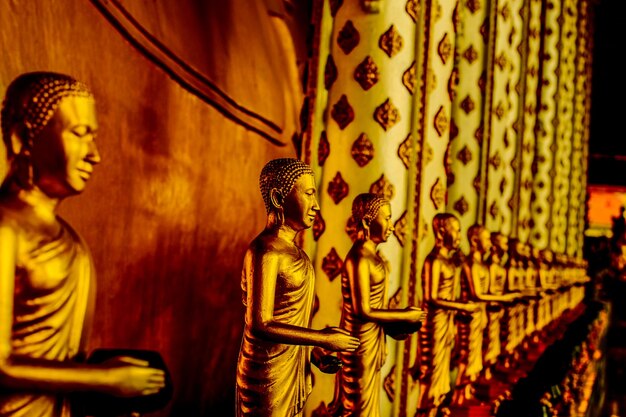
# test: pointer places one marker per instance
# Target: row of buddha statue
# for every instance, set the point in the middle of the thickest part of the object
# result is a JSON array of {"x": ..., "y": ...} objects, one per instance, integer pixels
[{"x": 485, "y": 304}]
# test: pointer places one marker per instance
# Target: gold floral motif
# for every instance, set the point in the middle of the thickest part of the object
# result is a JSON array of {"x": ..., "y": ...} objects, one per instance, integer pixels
[
  {"x": 468, "y": 104},
  {"x": 438, "y": 194},
  {"x": 479, "y": 134},
  {"x": 400, "y": 231},
  {"x": 409, "y": 78},
  {"x": 428, "y": 154},
  {"x": 495, "y": 161},
  {"x": 338, "y": 189},
  {"x": 454, "y": 130},
  {"x": 441, "y": 121},
  {"x": 412, "y": 8},
  {"x": 464, "y": 155},
  {"x": 494, "y": 210},
  {"x": 404, "y": 151},
  {"x": 473, "y": 5},
  {"x": 501, "y": 61},
  {"x": 387, "y": 115},
  {"x": 323, "y": 149},
  {"x": 384, "y": 187},
  {"x": 470, "y": 54},
  {"x": 389, "y": 384},
  {"x": 362, "y": 150},
  {"x": 319, "y": 226},
  {"x": 424, "y": 227},
  {"x": 391, "y": 41},
  {"x": 366, "y": 73},
  {"x": 348, "y": 37},
  {"x": 444, "y": 48},
  {"x": 330, "y": 72},
  {"x": 477, "y": 183},
  {"x": 437, "y": 11},
  {"x": 453, "y": 82},
  {"x": 342, "y": 112},
  {"x": 461, "y": 206},
  {"x": 332, "y": 264},
  {"x": 499, "y": 110},
  {"x": 503, "y": 185}
]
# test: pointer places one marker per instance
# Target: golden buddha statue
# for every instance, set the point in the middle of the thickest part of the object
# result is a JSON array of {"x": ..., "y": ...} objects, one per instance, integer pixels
[
  {"x": 365, "y": 312},
  {"x": 278, "y": 283},
  {"x": 440, "y": 283},
  {"x": 47, "y": 279},
  {"x": 475, "y": 283}
]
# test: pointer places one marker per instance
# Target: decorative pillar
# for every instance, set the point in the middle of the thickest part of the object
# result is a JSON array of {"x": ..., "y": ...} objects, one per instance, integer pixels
[
  {"x": 543, "y": 166},
  {"x": 501, "y": 114},
  {"x": 467, "y": 130},
  {"x": 564, "y": 132},
  {"x": 362, "y": 124},
  {"x": 527, "y": 110}
]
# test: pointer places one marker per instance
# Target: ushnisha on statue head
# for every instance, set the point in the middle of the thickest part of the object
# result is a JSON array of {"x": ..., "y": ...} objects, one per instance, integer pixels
[
  {"x": 48, "y": 127},
  {"x": 289, "y": 193},
  {"x": 372, "y": 215}
]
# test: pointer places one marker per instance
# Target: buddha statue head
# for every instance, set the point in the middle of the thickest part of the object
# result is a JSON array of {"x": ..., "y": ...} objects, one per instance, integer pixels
[
  {"x": 48, "y": 127},
  {"x": 447, "y": 229},
  {"x": 289, "y": 193},
  {"x": 500, "y": 246},
  {"x": 372, "y": 215},
  {"x": 479, "y": 239}
]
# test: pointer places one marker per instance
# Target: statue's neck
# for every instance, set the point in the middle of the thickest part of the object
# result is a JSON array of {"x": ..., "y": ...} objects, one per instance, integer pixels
[{"x": 41, "y": 204}]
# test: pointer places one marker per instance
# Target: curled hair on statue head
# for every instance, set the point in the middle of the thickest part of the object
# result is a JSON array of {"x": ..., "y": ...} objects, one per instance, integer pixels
[
  {"x": 276, "y": 181},
  {"x": 365, "y": 208}
]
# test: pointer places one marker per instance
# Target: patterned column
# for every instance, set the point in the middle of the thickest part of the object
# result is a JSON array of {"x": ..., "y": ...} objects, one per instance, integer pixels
[
  {"x": 467, "y": 131},
  {"x": 436, "y": 35},
  {"x": 564, "y": 131},
  {"x": 543, "y": 168},
  {"x": 576, "y": 192},
  {"x": 364, "y": 145},
  {"x": 585, "y": 10},
  {"x": 501, "y": 113},
  {"x": 527, "y": 117}
]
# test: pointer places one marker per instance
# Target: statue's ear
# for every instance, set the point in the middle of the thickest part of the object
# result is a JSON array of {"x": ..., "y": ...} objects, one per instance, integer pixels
[
  {"x": 18, "y": 136},
  {"x": 276, "y": 198},
  {"x": 365, "y": 223}
]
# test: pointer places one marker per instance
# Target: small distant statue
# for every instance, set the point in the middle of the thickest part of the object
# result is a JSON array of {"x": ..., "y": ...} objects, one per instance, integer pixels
[
  {"x": 475, "y": 283},
  {"x": 278, "y": 283},
  {"x": 47, "y": 277},
  {"x": 365, "y": 312},
  {"x": 440, "y": 277}
]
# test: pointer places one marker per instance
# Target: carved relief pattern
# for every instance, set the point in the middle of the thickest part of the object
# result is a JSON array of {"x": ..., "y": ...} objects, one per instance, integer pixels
[
  {"x": 332, "y": 264},
  {"x": 408, "y": 78},
  {"x": 342, "y": 112},
  {"x": 362, "y": 150},
  {"x": 387, "y": 115},
  {"x": 348, "y": 37},
  {"x": 391, "y": 42},
  {"x": 384, "y": 187},
  {"x": 366, "y": 73},
  {"x": 404, "y": 151},
  {"x": 412, "y": 8},
  {"x": 338, "y": 189},
  {"x": 400, "y": 228},
  {"x": 319, "y": 225},
  {"x": 330, "y": 72},
  {"x": 323, "y": 149}
]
